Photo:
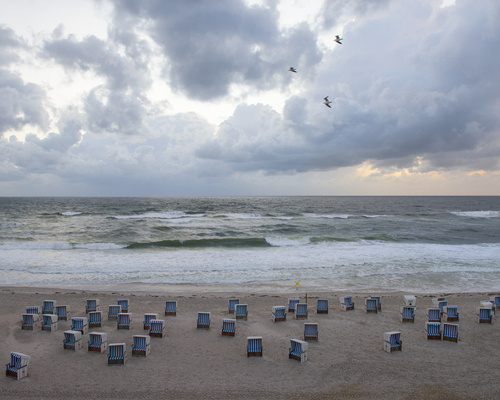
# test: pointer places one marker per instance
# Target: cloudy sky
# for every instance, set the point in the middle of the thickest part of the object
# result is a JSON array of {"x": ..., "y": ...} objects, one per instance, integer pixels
[{"x": 168, "y": 97}]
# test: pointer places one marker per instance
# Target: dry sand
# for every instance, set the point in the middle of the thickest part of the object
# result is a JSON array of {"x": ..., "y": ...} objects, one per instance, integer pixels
[{"x": 347, "y": 362}]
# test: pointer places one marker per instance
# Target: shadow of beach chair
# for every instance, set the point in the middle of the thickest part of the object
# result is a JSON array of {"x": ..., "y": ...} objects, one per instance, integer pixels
[
  {"x": 450, "y": 313},
  {"x": 485, "y": 315},
  {"x": 113, "y": 311},
  {"x": 279, "y": 313},
  {"x": 49, "y": 322},
  {"x": 79, "y": 324},
  {"x": 98, "y": 342},
  {"x": 393, "y": 341},
  {"x": 241, "y": 311},
  {"x": 30, "y": 322},
  {"x": 124, "y": 305},
  {"x": 408, "y": 314},
  {"x": 157, "y": 328},
  {"x": 203, "y": 321},
  {"x": 433, "y": 330},
  {"x": 371, "y": 305},
  {"x": 48, "y": 306},
  {"x": 72, "y": 340},
  {"x": 228, "y": 327},
  {"x": 147, "y": 320},
  {"x": 322, "y": 306},
  {"x": 232, "y": 305},
  {"x": 310, "y": 331},
  {"x": 62, "y": 312},
  {"x": 141, "y": 345},
  {"x": 346, "y": 303},
  {"x": 33, "y": 310},
  {"x": 92, "y": 305},
  {"x": 171, "y": 308},
  {"x": 124, "y": 321},
  {"x": 18, "y": 366},
  {"x": 254, "y": 346},
  {"x": 298, "y": 350},
  {"x": 292, "y": 303},
  {"x": 116, "y": 353},
  {"x": 301, "y": 311},
  {"x": 433, "y": 315},
  {"x": 450, "y": 332},
  {"x": 95, "y": 319}
]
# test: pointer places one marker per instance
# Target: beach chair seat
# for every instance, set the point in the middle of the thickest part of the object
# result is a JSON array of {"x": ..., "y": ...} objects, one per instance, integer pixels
[
  {"x": 141, "y": 345},
  {"x": 95, "y": 319},
  {"x": 48, "y": 306},
  {"x": 301, "y": 311},
  {"x": 292, "y": 302},
  {"x": 49, "y": 322},
  {"x": 203, "y": 321},
  {"x": 450, "y": 332},
  {"x": 485, "y": 315},
  {"x": 298, "y": 350},
  {"x": 433, "y": 315},
  {"x": 409, "y": 300},
  {"x": 98, "y": 342},
  {"x": 279, "y": 313},
  {"x": 80, "y": 324},
  {"x": 346, "y": 303},
  {"x": 228, "y": 327},
  {"x": 371, "y": 305},
  {"x": 72, "y": 340},
  {"x": 310, "y": 331},
  {"x": 232, "y": 305},
  {"x": 18, "y": 366},
  {"x": 113, "y": 311},
  {"x": 241, "y": 311},
  {"x": 62, "y": 312},
  {"x": 124, "y": 305},
  {"x": 30, "y": 322},
  {"x": 157, "y": 328},
  {"x": 124, "y": 321},
  {"x": 147, "y": 320},
  {"x": 116, "y": 353},
  {"x": 322, "y": 306},
  {"x": 33, "y": 310},
  {"x": 393, "y": 341},
  {"x": 92, "y": 305},
  {"x": 171, "y": 308},
  {"x": 254, "y": 346},
  {"x": 450, "y": 313},
  {"x": 408, "y": 314},
  {"x": 433, "y": 330}
]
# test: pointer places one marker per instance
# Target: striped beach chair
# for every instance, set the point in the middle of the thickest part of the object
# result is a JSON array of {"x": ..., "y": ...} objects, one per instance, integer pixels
[
  {"x": 322, "y": 306},
  {"x": 228, "y": 327},
  {"x": 279, "y": 313},
  {"x": 254, "y": 346},
  {"x": 496, "y": 301},
  {"x": 346, "y": 303},
  {"x": 95, "y": 319},
  {"x": 33, "y": 310},
  {"x": 124, "y": 305},
  {"x": 116, "y": 353},
  {"x": 92, "y": 305},
  {"x": 441, "y": 304},
  {"x": 450, "y": 332},
  {"x": 62, "y": 312},
  {"x": 378, "y": 299},
  {"x": 72, "y": 340},
  {"x": 232, "y": 305},
  {"x": 484, "y": 315},
  {"x": 298, "y": 350},
  {"x": 433, "y": 330},
  {"x": 408, "y": 314},
  {"x": 292, "y": 302},
  {"x": 433, "y": 315},
  {"x": 157, "y": 328},
  {"x": 310, "y": 331},
  {"x": 171, "y": 308},
  {"x": 393, "y": 341},
  {"x": 241, "y": 311},
  {"x": 301, "y": 311},
  {"x": 124, "y": 321},
  {"x": 98, "y": 342},
  {"x": 18, "y": 366},
  {"x": 49, "y": 322},
  {"x": 450, "y": 313},
  {"x": 80, "y": 324},
  {"x": 30, "y": 322},
  {"x": 371, "y": 305},
  {"x": 48, "y": 306},
  {"x": 113, "y": 311},
  {"x": 203, "y": 321},
  {"x": 147, "y": 320},
  {"x": 141, "y": 345}
]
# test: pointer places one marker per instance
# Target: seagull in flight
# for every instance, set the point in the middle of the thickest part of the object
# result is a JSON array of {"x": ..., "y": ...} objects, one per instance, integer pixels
[
  {"x": 327, "y": 102},
  {"x": 338, "y": 39},
  {"x": 292, "y": 69}
]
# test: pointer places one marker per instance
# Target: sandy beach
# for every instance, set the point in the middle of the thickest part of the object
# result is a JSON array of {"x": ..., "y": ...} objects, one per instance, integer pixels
[{"x": 347, "y": 362}]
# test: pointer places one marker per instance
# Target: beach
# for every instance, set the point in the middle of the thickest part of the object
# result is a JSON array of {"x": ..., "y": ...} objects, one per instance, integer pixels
[{"x": 347, "y": 361}]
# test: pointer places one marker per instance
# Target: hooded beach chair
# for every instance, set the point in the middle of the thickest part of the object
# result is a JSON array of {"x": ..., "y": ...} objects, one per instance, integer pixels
[
  {"x": 409, "y": 300},
  {"x": 484, "y": 315},
  {"x": 48, "y": 306},
  {"x": 98, "y": 341},
  {"x": 496, "y": 301},
  {"x": 72, "y": 340},
  {"x": 18, "y": 366},
  {"x": 371, "y": 305},
  {"x": 450, "y": 332},
  {"x": 157, "y": 328},
  {"x": 378, "y": 299},
  {"x": 80, "y": 324},
  {"x": 254, "y": 346},
  {"x": 279, "y": 313},
  {"x": 408, "y": 314},
  {"x": 393, "y": 341},
  {"x": 147, "y": 320},
  {"x": 346, "y": 303},
  {"x": 92, "y": 305},
  {"x": 241, "y": 311},
  {"x": 33, "y": 310},
  {"x": 62, "y": 312},
  {"x": 232, "y": 305},
  {"x": 113, "y": 311},
  {"x": 301, "y": 311},
  {"x": 298, "y": 350},
  {"x": 433, "y": 315},
  {"x": 450, "y": 313},
  {"x": 116, "y": 353},
  {"x": 171, "y": 308},
  {"x": 141, "y": 345},
  {"x": 322, "y": 306},
  {"x": 310, "y": 331},
  {"x": 433, "y": 330},
  {"x": 124, "y": 321},
  {"x": 203, "y": 321},
  {"x": 30, "y": 322},
  {"x": 95, "y": 319},
  {"x": 441, "y": 304},
  {"x": 49, "y": 322},
  {"x": 124, "y": 305},
  {"x": 228, "y": 327},
  {"x": 292, "y": 302}
]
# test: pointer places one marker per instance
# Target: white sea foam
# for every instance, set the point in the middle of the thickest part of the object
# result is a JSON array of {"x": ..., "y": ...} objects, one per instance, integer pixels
[
  {"x": 477, "y": 214},
  {"x": 71, "y": 213},
  {"x": 327, "y": 216},
  {"x": 160, "y": 215},
  {"x": 285, "y": 242}
]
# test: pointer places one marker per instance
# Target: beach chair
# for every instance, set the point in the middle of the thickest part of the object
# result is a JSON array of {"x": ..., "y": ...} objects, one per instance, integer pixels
[
  {"x": 484, "y": 315},
  {"x": 203, "y": 320},
  {"x": 95, "y": 318},
  {"x": 157, "y": 328},
  {"x": 378, "y": 299},
  {"x": 433, "y": 330},
  {"x": 232, "y": 305},
  {"x": 409, "y": 300},
  {"x": 147, "y": 320},
  {"x": 92, "y": 305},
  {"x": 48, "y": 306},
  {"x": 49, "y": 322},
  {"x": 72, "y": 340},
  {"x": 18, "y": 366},
  {"x": 408, "y": 314},
  {"x": 371, "y": 305},
  {"x": 450, "y": 332},
  {"x": 124, "y": 321},
  {"x": 30, "y": 322},
  {"x": 279, "y": 313},
  {"x": 113, "y": 311},
  {"x": 301, "y": 311},
  {"x": 441, "y": 304},
  {"x": 62, "y": 312},
  {"x": 228, "y": 327},
  {"x": 124, "y": 305},
  {"x": 310, "y": 331},
  {"x": 98, "y": 341},
  {"x": 80, "y": 324},
  {"x": 298, "y": 350},
  {"x": 116, "y": 353},
  {"x": 393, "y": 341},
  {"x": 436, "y": 300},
  {"x": 254, "y": 346},
  {"x": 292, "y": 302},
  {"x": 496, "y": 301},
  {"x": 346, "y": 303},
  {"x": 241, "y": 311},
  {"x": 433, "y": 315},
  {"x": 450, "y": 313},
  {"x": 33, "y": 310},
  {"x": 141, "y": 345},
  {"x": 171, "y": 308},
  {"x": 322, "y": 306}
]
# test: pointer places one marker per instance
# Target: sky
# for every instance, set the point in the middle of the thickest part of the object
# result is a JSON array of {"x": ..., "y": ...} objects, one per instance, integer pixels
[{"x": 195, "y": 97}]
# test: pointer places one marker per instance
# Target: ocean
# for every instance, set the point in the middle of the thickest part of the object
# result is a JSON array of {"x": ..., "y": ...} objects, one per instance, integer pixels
[{"x": 415, "y": 244}]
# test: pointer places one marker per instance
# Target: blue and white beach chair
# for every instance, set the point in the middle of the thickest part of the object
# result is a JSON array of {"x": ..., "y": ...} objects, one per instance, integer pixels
[
  {"x": 241, "y": 311},
  {"x": 33, "y": 310},
  {"x": 203, "y": 321},
  {"x": 124, "y": 305},
  {"x": 310, "y": 331},
  {"x": 292, "y": 302},
  {"x": 18, "y": 366},
  {"x": 62, "y": 312},
  {"x": 254, "y": 346},
  {"x": 48, "y": 306},
  {"x": 371, "y": 305},
  {"x": 346, "y": 303},
  {"x": 450, "y": 313},
  {"x": 408, "y": 314},
  {"x": 98, "y": 341},
  {"x": 171, "y": 308},
  {"x": 322, "y": 306},
  {"x": 279, "y": 313},
  {"x": 113, "y": 311},
  {"x": 95, "y": 319},
  {"x": 157, "y": 328},
  {"x": 80, "y": 324},
  {"x": 496, "y": 301},
  {"x": 228, "y": 327},
  {"x": 30, "y": 322},
  {"x": 379, "y": 302},
  {"x": 232, "y": 305},
  {"x": 433, "y": 330},
  {"x": 393, "y": 341},
  {"x": 298, "y": 350},
  {"x": 147, "y": 320},
  {"x": 301, "y": 311},
  {"x": 116, "y": 353},
  {"x": 141, "y": 345},
  {"x": 92, "y": 305},
  {"x": 484, "y": 315},
  {"x": 49, "y": 322},
  {"x": 440, "y": 303},
  {"x": 433, "y": 315},
  {"x": 124, "y": 321},
  {"x": 450, "y": 332},
  {"x": 72, "y": 340}
]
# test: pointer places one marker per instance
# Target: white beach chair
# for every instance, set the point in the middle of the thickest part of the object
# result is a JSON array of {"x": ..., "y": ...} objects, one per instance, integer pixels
[
  {"x": 95, "y": 319},
  {"x": 72, "y": 340},
  {"x": 30, "y": 322},
  {"x": 141, "y": 345},
  {"x": 433, "y": 330},
  {"x": 301, "y": 311},
  {"x": 203, "y": 321},
  {"x": 171, "y": 308},
  {"x": 48, "y": 306},
  {"x": 322, "y": 306},
  {"x": 157, "y": 328},
  {"x": 98, "y": 342},
  {"x": 80, "y": 324},
  {"x": 49, "y": 322},
  {"x": 117, "y": 353},
  {"x": 232, "y": 305},
  {"x": 124, "y": 305},
  {"x": 409, "y": 300},
  {"x": 62, "y": 312},
  {"x": 147, "y": 320},
  {"x": 228, "y": 327},
  {"x": 124, "y": 321},
  {"x": 18, "y": 366},
  {"x": 279, "y": 313},
  {"x": 393, "y": 341},
  {"x": 113, "y": 311},
  {"x": 346, "y": 303},
  {"x": 254, "y": 346},
  {"x": 92, "y": 305},
  {"x": 241, "y": 311},
  {"x": 310, "y": 331},
  {"x": 298, "y": 350}
]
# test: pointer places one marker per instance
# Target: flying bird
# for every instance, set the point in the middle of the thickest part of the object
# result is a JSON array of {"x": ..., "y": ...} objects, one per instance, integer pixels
[
  {"x": 338, "y": 39},
  {"x": 292, "y": 69},
  {"x": 327, "y": 102}
]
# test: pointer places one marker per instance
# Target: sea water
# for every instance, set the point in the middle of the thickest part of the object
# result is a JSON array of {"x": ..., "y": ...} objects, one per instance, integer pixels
[{"x": 418, "y": 244}]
